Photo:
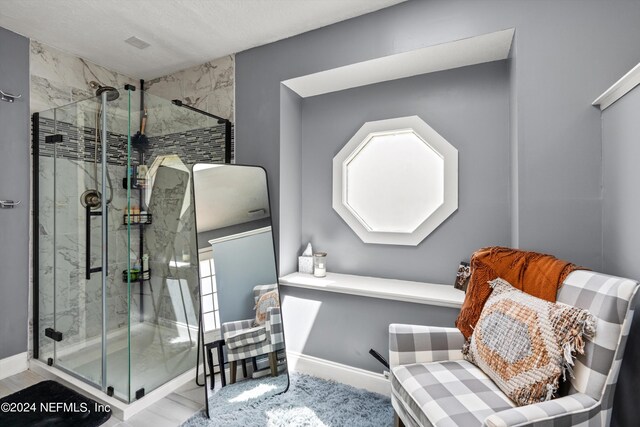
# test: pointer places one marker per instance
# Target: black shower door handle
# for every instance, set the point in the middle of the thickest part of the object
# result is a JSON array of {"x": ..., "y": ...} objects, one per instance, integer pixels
[{"x": 88, "y": 268}]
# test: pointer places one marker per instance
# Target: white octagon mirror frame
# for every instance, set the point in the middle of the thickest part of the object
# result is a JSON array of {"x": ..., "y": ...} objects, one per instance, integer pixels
[{"x": 395, "y": 181}]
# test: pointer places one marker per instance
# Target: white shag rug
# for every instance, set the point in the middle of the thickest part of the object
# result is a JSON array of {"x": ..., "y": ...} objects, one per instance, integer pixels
[{"x": 310, "y": 402}]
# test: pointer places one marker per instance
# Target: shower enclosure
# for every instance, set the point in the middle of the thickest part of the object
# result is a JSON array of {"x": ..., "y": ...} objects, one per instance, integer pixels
[{"x": 116, "y": 287}]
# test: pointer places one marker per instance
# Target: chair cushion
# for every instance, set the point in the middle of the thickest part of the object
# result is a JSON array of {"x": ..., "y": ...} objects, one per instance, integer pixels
[
  {"x": 246, "y": 337},
  {"x": 525, "y": 343},
  {"x": 447, "y": 394}
]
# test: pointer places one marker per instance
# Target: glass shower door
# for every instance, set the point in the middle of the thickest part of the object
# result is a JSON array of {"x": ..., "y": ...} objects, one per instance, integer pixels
[
  {"x": 76, "y": 172},
  {"x": 83, "y": 242}
]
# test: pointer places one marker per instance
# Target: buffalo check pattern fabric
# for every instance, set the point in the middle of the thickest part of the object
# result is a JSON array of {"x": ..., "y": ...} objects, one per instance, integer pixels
[
  {"x": 573, "y": 410},
  {"x": 421, "y": 344},
  {"x": 274, "y": 337},
  {"x": 590, "y": 398},
  {"x": 454, "y": 393},
  {"x": 246, "y": 339}
]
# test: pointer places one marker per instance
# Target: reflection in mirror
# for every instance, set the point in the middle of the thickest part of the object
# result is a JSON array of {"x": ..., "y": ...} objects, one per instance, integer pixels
[{"x": 241, "y": 320}]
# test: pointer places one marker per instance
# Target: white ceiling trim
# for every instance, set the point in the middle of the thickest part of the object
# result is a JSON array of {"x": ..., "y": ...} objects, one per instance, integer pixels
[
  {"x": 460, "y": 53},
  {"x": 619, "y": 88}
]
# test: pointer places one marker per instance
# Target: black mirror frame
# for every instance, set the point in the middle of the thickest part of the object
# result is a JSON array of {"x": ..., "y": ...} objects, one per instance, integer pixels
[{"x": 201, "y": 326}]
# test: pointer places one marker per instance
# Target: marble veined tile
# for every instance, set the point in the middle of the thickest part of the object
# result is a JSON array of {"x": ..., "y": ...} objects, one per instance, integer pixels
[
  {"x": 46, "y": 94},
  {"x": 53, "y": 70},
  {"x": 167, "y": 87},
  {"x": 54, "y": 65}
]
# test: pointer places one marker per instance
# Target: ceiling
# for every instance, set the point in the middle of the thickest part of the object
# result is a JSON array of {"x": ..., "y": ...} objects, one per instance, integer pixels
[
  {"x": 182, "y": 33},
  {"x": 229, "y": 195}
]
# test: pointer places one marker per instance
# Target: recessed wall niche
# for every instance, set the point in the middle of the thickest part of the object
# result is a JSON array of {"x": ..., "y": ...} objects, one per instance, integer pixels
[{"x": 468, "y": 106}]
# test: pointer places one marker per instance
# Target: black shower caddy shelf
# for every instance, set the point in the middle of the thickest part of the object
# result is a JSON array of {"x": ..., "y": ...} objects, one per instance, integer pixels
[
  {"x": 136, "y": 184},
  {"x": 144, "y": 276},
  {"x": 137, "y": 219}
]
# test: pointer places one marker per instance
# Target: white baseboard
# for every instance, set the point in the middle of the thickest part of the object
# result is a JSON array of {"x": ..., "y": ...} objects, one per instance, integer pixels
[
  {"x": 338, "y": 372},
  {"x": 13, "y": 365}
]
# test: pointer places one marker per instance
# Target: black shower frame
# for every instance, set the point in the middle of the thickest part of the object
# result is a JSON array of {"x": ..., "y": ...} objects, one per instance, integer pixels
[{"x": 35, "y": 179}]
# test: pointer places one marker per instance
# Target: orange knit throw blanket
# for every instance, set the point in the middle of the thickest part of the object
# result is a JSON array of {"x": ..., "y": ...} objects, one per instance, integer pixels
[{"x": 537, "y": 274}]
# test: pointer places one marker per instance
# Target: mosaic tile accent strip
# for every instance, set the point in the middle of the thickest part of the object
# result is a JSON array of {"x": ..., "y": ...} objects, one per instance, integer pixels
[{"x": 199, "y": 145}]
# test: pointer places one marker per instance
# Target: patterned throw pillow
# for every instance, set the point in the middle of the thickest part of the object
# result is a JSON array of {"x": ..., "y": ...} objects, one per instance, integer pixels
[
  {"x": 525, "y": 344},
  {"x": 265, "y": 302}
]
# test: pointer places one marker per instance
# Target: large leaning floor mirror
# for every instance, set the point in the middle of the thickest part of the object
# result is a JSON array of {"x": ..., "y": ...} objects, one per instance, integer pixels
[{"x": 241, "y": 325}]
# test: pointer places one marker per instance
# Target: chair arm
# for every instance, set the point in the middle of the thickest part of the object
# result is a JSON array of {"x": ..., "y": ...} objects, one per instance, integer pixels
[
  {"x": 422, "y": 344},
  {"x": 238, "y": 325},
  {"x": 273, "y": 324},
  {"x": 568, "y": 410}
]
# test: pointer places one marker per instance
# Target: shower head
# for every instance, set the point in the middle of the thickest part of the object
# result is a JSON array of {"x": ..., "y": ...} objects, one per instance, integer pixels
[{"x": 112, "y": 92}]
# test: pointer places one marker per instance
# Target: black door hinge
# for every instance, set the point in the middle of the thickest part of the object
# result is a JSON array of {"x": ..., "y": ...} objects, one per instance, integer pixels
[{"x": 53, "y": 334}]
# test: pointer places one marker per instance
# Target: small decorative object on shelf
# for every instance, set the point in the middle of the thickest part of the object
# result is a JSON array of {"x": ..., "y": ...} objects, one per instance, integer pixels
[
  {"x": 320, "y": 264},
  {"x": 462, "y": 276},
  {"x": 305, "y": 261}
]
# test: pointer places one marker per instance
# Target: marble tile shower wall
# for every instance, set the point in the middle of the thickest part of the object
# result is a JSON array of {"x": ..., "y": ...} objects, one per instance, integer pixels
[
  {"x": 209, "y": 86},
  {"x": 59, "y": 78},
  {"x": 77, "y": 300}
]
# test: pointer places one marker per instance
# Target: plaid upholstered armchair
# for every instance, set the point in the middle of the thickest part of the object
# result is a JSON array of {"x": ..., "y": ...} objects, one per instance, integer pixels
[
  {"x": 432, "y": 385},
  {"x": 246, "y": 341}
]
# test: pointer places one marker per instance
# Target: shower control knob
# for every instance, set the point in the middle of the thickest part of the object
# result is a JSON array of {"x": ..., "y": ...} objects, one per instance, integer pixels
[{"x": 9, "y": 204}]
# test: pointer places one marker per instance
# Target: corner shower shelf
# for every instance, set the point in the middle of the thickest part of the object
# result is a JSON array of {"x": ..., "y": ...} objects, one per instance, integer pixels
[{"x": 137, "y": 219}]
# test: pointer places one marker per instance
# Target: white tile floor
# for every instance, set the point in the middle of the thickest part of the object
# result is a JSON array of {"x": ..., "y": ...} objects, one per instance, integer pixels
[{"x": 170, "y": 411}]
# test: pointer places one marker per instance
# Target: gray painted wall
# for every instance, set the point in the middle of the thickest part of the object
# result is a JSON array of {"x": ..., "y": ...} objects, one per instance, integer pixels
[
  {"x": 240, "y": 265},
  {"x": 14, "y": 184},
  {"x": 562, "y": 64},
  {"x": 564, "y": 56},
  {"x": 343, "y": 328},
  {"x": 289, "y": 205},
  {"x": 621, "y": 234},
  {"x": 469, "y": 107}
]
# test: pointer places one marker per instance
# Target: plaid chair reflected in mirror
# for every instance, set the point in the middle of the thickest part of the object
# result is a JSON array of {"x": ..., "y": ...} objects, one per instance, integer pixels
[
  {"x": 245, "y": 340},
  {"x": 432, "y": 385}
]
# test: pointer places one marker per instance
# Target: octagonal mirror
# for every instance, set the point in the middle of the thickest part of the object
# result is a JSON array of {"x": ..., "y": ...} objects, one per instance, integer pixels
[{"x": 395, "y": 181}]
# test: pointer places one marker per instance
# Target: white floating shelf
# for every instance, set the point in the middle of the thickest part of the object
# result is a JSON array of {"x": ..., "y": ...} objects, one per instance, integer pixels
[{"x": 374, "y": 287}]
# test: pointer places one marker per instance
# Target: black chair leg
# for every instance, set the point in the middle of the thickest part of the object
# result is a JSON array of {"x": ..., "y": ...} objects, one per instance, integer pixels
[
  {"x": 273, "y": 363},
  {"x": 233, "y": 367},
  {"x": 210, "y": 364},
  {"x": 223, "y": 378}
]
